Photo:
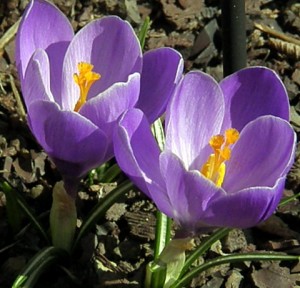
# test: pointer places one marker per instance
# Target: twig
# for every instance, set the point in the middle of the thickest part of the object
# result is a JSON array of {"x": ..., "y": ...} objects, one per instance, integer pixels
[
  {"x": 9, "y": 35},
  {"x": 20, "y": 106},
  {"x": 1, "y": 86},
  {"x": 276, "y": 34}
]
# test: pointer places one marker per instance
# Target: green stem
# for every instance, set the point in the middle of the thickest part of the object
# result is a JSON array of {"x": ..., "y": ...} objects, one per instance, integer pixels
[
  {"x": 156, "y": 273},
  {"x": 162, "y": 233},
  {"x": 232, "y": 259},
  {"x": 155, "y": 277}
]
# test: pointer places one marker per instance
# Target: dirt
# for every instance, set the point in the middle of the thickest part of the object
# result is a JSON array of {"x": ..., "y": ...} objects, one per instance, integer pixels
[{"x": 115, "y": 253}]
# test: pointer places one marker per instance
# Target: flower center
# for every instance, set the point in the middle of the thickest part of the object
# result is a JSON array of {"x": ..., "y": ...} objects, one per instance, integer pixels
[
  {"x": 84, "y": 79},
  {"x": 214, "y": 168}
]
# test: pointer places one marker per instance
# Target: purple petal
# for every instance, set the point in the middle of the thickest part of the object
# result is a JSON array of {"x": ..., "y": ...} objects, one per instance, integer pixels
[
  {"x": 262, "y": 155},
  {"x": 74, "y": 143},
  {"x": 188, "y": 191},
  {"x": 195, "y": 113},
  {"x": 253, "y": 92},
  {"x": 105, "y": 109},
  {"x": 37, "y": 79},
  {"x": 162, "y": 69},
  {"x": 43, "y": 26},
  {"x": 245, "y": 208},
  {"x": 109, "y": 44},
  {"x": 137, "y": 153}
]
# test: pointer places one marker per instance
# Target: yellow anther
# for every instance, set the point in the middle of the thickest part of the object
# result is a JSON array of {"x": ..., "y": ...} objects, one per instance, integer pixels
[
  {"x": 231, "y": 135},
  {"x": 215, "y": 168},
  {"x": 84, "y": 79},
  {"x": 216, "y": 141}
]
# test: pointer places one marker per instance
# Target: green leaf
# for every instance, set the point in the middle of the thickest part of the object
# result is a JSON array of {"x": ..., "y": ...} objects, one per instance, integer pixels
[
  {"x": 201, "y": 249},
  {"x": 13, "y": 211},
  {"x": 232, "y": 259},
  {"x": 289, "y": 199},
  {"x": 100, "y": 209},
  {"x": 97, "y": 173},
  {"x": 38, "y": 264},
  {"x": 23, "y": 206},
  {"x": 159, "y": 133},
  {"x": 33, "y": 219},
  {"x": 143, "y": 32},
  {"x": 111, "y": 173}
]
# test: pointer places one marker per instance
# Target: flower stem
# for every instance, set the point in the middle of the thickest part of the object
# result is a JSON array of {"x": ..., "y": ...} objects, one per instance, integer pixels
[
  {"x": 234, "y": 35},
  {"x": 162, "y": 233},
  {"x": 155, "y": 272}
]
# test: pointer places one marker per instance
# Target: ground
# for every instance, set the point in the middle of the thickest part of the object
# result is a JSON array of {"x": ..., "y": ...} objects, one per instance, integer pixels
[{"x": 115, "y": 253}]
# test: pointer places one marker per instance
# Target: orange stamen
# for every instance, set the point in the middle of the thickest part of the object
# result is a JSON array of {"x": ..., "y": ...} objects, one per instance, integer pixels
[
  {"x": 84, "y": 79},
  {"x": 215, "y": 168}
]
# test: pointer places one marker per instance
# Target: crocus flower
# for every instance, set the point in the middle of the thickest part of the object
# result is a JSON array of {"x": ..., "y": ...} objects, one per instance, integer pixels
[
  {"x": 76, "y": 87},
  {"x": 228, "y": 149}
]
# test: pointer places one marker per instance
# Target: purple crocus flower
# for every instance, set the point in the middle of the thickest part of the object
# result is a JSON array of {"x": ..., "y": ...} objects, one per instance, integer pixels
[
  {"x": 76, "y": 87},
  {"x": 228, "y": 149}
]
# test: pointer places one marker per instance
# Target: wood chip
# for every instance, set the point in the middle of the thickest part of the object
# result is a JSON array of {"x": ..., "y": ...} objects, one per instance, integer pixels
[
  {"x": 273, "y": 276},
  {"x": 141, "y": 224}
]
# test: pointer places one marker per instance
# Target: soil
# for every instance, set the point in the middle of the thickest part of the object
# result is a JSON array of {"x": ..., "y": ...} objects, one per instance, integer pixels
[{"x": 115, "y": 253}]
